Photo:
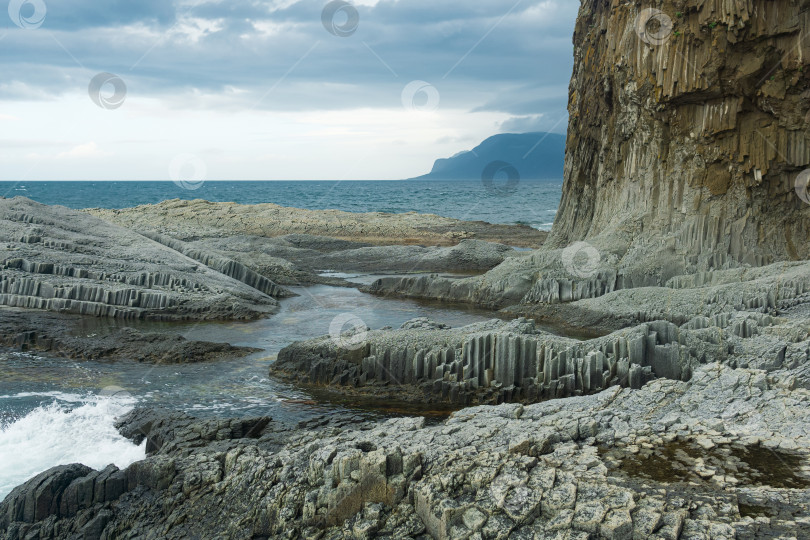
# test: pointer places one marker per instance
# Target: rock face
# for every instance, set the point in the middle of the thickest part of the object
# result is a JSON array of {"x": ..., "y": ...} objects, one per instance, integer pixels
[
  {"x": 721, "y": 456},
  {"x": 497, "y": 362},
  {"x": 691, "y": 128},
  {"x": 55, "y": 259},
  {"x": 688, "y": 132}
]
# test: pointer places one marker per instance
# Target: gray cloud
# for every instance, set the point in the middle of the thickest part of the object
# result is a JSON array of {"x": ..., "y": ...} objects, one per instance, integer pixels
[{"x": 479, "y": 58}]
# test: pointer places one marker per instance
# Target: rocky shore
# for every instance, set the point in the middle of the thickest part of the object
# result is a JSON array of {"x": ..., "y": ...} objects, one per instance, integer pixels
[
  {"x": 61, "y": 336},
  {"x": 723, "y": 455},
  {"x": 190, "y": 220},
  {"x": 684, "y": 413},
  {"x": 292, "y": 246},
  {"x": 58, "y": 260},
  {"x": 500, "y": 362}
]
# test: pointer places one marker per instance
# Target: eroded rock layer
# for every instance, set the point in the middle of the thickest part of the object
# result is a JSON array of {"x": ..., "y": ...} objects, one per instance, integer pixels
[
  {"x": 56, "y": 259},
  {"x": 498, "y": 362}
]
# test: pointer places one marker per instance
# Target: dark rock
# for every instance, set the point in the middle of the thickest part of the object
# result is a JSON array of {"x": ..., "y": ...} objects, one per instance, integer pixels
[
  {"x": 41, "y": 496},
  {"x": 60, "y": 335},
  {"x": 170, "y": 432}
]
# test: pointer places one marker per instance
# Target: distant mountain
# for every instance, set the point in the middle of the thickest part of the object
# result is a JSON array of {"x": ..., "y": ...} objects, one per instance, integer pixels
[{"x": 533, "y": 156}]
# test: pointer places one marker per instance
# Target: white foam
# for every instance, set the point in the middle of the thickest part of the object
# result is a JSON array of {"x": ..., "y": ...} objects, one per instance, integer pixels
[
  {"x": 56, "y": 434},
  {"x": 60, "y": 396}
]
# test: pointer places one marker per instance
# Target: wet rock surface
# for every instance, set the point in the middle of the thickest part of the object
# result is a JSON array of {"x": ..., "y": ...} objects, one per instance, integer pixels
[
  {"x": 515, "y": 361},
  {"x": 734, "y": 440},
  {"x": 62, "y": 336}
]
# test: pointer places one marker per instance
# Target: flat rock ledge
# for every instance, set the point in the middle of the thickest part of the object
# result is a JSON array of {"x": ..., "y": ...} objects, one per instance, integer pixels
[
  {"x": 191, "y": 220},
  {"x": 539, "y": 286},
  {"x": 296, "y": 259},
  {"x": 723, "y": 455},
  {"x": 60, "y": 335}
]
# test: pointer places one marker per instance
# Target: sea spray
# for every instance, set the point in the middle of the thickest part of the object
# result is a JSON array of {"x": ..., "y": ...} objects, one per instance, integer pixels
[{"x": 70, "y": 429}]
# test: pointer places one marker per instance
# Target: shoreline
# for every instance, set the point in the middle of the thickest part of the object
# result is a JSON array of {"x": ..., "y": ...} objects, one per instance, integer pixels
[
  {"x": 668, "y": 397},
  {"x": 509, "y": 363}
]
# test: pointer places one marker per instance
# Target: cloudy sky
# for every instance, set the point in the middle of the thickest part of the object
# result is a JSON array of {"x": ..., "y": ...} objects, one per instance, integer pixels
[{"x": 274, "y": 89}]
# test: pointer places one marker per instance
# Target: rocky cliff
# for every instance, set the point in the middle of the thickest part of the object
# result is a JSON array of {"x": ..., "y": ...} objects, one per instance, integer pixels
[
  {"x": 688, "y": 129},
  {"x": 687, "y": 162}
]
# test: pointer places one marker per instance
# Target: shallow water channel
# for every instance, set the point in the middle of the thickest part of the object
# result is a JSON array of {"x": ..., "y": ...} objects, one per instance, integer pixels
[
  {"x": 239, "y": 387},
  {"x": 56, "y": 411}
]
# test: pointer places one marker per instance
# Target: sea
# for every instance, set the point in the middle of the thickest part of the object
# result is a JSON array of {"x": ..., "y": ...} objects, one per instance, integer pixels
[
  {"x": 532, "y": 203},
  {"x": 55, "y": 411}
]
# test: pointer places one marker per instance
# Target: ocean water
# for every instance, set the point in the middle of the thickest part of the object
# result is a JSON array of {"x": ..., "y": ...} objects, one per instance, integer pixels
[
  {"x": 67, "y": 428},
  {"x": 532, "y": 203}
]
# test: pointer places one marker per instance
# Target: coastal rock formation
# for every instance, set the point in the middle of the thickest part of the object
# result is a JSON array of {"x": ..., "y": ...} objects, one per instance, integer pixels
[
  {"x": 230, "y": 268},
  {"x": 723, "y": 455},
  {"x": 56, "y": 259},
  {"x": 688, "y": 128},
  {"x": 467, "y": 256},
  {"x": 191, "y": 220},
  {"x": 168, "y": 432},
  {"x": 497, "y": 362},
  {"x": 679, "y": 234},
  {"x": 688, "y": 133},
  {"x": 270, "y": 258},
  {"x": 60, "y": 335},
  {"x": 302, "y": 257},
  {"x": 256, "y": 243},
  {"x": 776, "y": 290}
]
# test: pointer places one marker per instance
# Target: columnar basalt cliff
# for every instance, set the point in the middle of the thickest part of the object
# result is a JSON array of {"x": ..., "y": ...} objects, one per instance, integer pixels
[
  {"x": 688, "y": 150},
  {"x": 688, "y": 129}
]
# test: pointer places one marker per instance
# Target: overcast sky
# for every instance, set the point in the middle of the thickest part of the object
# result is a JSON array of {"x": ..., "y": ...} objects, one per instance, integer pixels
[{"x": 279, "y": 89}]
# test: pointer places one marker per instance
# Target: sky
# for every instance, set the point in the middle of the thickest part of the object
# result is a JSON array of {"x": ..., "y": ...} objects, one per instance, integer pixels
[{"x": 272, "y": 90}]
